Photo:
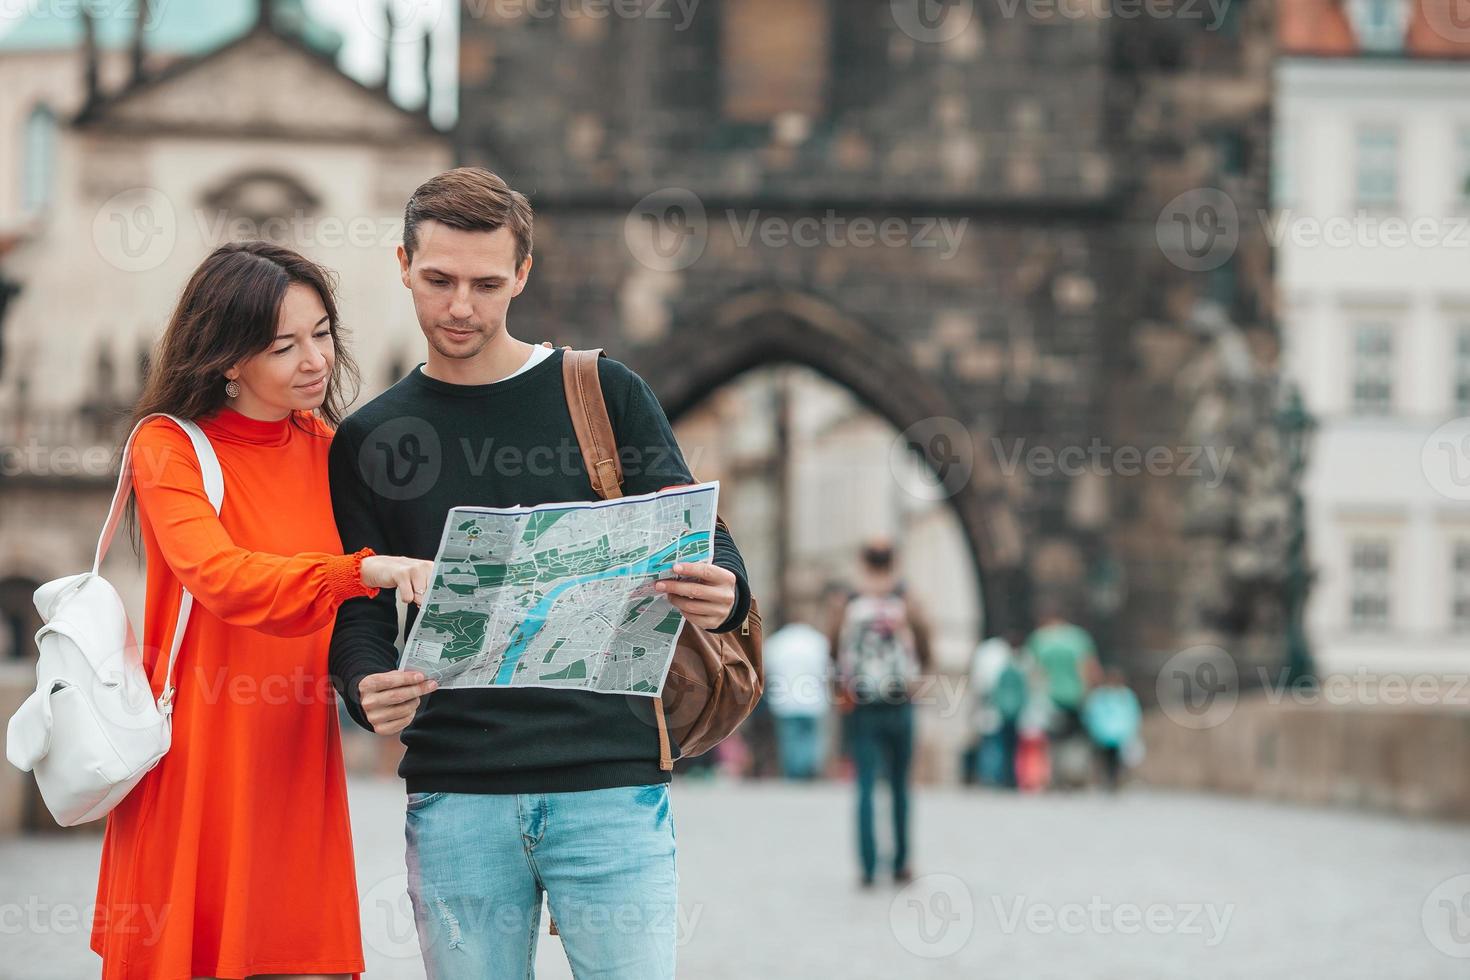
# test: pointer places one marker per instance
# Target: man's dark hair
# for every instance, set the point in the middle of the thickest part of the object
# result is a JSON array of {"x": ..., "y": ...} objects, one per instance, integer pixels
[
  {"x": 878, "y": 556},
  {"x": 469, "y": 199}
]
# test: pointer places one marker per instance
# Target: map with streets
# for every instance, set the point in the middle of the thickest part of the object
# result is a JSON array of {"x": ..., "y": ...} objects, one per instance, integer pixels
[{"x": 561, "y": 595}]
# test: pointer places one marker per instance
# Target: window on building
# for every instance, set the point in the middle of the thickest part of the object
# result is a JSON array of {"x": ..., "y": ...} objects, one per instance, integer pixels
[
  {"x": 1378, "y": 166},
  {"x": 1462, "y": 369},
  {"x": 18, "y": 619},
  {"x": 1460, "y": 587},
  {"x": 1462, "y": 167},
  {"x": 1372, "y": 372},
  {"x": 40, "y": 160},
  {"x": 1368, "y": 586},
  {"x": 774, "y": 58},
  {"x": 1380, "y": 24},
  {"x": 1283, "y": 176}
]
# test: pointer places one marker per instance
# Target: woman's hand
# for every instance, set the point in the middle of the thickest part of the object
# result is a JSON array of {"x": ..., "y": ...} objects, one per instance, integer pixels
[
  {"x": 707, "y": 595},
  {"x": 410, "y": 576}
]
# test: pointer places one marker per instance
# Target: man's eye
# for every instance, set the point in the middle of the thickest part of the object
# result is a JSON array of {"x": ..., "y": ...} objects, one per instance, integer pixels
[{"x": 437, "y": 282}]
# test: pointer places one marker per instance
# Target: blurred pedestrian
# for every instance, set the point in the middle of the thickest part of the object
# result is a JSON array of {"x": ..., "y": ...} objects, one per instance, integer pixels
[
  {"x": 1065, "y": 659},
  {"x": 881, "y": 646},
  {"x": 999, "y": 691},
  {"x": 797, "y": 661},
  {"x": 1112, "y": 716}
]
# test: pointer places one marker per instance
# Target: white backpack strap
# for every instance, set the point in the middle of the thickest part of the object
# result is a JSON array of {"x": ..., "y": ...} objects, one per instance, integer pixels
[{"x": 214, "y": 489}]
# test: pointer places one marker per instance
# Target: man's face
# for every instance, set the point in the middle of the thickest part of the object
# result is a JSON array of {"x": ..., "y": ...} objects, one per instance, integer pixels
[{"x": 462, "y": 284}]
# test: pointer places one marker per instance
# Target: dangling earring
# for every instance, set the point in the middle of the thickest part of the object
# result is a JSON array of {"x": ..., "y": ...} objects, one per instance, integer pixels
[{"x": 232, "y": 389}]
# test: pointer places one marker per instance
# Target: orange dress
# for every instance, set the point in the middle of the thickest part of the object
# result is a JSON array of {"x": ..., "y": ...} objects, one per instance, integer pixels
[{"x": 234, "y": 855}]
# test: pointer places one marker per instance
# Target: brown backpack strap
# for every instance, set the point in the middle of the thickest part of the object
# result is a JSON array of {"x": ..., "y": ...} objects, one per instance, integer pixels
[
  {"x": 600, "y": 455},
  {"x": 665, "y": 754},
  {"x": 591, "y": 423}
]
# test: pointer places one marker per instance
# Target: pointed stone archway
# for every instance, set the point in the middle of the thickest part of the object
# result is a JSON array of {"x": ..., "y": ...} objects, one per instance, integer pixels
[{"x": 768, "y": 327}]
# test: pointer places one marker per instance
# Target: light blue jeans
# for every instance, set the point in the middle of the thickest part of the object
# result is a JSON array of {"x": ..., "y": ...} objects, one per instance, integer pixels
[{"x": 478, "y": 865}]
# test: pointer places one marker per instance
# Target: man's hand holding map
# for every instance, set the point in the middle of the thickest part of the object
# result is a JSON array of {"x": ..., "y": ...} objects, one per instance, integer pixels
[{"x": 561, "y": 595}]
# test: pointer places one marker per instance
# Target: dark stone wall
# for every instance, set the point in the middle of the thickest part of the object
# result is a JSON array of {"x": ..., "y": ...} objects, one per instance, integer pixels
[{"x": 1051, "y": 311}]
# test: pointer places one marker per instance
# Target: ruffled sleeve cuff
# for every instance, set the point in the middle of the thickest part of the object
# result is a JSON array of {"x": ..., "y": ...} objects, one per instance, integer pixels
[{"x": 344, "y": 576}]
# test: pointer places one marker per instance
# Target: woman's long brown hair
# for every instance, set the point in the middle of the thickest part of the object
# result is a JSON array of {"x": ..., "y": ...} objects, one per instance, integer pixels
[{"x": 228, "y": 312}]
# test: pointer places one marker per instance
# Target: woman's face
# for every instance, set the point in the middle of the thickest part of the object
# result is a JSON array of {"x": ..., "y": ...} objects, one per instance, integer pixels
[{"x": 292, "y": 373}]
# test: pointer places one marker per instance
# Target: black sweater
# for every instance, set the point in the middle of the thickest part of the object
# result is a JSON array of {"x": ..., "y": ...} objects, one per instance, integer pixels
[{"x": 397, "y": 466}]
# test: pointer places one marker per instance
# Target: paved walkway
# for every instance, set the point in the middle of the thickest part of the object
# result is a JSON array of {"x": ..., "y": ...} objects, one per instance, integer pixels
[{"x": 1147, "y": 885}]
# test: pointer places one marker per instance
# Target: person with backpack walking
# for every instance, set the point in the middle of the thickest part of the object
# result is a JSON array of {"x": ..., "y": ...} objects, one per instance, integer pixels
[
  {"x": 880, "y": 642},
  {"x": 516, "y": 793},
  {"x": 232, "y": 856}
]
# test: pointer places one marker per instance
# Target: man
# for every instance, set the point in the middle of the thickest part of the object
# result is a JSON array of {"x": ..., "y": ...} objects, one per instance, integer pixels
[
  {"x": 517, "y": 791},
  {"x": 881, "y": 645}
]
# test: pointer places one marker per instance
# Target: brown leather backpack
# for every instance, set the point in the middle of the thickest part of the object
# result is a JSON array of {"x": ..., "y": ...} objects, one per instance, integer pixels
[{"x": 716, "y": 678}]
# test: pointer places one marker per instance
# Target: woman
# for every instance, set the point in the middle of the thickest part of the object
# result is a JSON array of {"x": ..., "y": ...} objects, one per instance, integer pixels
[{"x": 233, "y": 857}]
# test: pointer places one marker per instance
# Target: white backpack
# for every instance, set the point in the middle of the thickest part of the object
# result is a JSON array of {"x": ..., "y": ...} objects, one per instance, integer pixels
[{"x": 92, "y": 729}]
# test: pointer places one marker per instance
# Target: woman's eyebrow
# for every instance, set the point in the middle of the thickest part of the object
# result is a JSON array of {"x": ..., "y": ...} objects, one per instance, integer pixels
[{"x": 288, "y": 336}]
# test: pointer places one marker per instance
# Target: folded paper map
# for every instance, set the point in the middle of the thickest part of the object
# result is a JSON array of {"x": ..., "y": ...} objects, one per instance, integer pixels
[{"x": 561, "y": 595}]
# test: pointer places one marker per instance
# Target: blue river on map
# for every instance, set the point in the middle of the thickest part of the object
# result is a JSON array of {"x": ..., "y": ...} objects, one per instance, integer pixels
[{"x": 536, "y": 617}]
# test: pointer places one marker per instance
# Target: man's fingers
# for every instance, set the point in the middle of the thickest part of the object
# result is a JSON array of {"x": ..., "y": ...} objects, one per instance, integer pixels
[
  {"x": 389, "y": 678},
  {"x": 688, "y": 590},
  {"x": 398, "y": 695},
  {"x": 704, "y": 571},
  {"x": 391, "y": 726},
  {"x": 388, "y": 716},
  {"x": 697, "y": 607}
]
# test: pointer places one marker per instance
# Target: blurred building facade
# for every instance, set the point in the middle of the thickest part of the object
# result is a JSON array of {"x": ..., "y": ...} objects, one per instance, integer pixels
[
  {"x": 1373, "y": 129},
  {"x": 1064, "y": 339},
  {"x": 1033, "y": 333},
  {"x": 147, "y": 170}
]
